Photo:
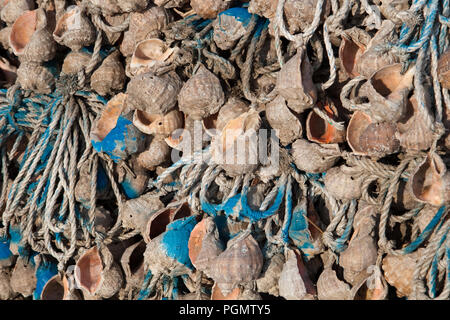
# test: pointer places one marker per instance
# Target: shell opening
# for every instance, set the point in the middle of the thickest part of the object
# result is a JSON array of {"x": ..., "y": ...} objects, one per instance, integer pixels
[
  {"x": 183, "y": 212},
  {"x": 53, "y": 290},
  {"x": 158, "y": 224},
  {"x": 89, "y": 270},
  {"x": 349, "y": 52},
  {"x": 387, "y": 80},
  {"x": 22, "y": 31},
  {"x": 137, "y": 258},
  {"x": 427, "y": 182},
  {"x": 146, "y": 118}
]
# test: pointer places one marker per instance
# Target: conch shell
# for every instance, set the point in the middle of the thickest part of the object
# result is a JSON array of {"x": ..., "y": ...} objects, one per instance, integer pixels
[
  {"x": 270, "y": 275},
  {"x": 110, "y": 76},
  {"x": 314, "y": 158},
  {"x": 444, "y": 69},
  {"x": 136, "y": 212},
  {"x": 111, "y": 7},
  {"x": 209, "y": 9},
  {"x": 230, "y": 26},
  {"x": 300, "y": 13},
  {"x": 23, "y": 279},
  {"x": 132, "y": 262},
  {"x": 75, "y": 61},
  {"x": 353, "y": 44},
  {"x": 149, "y": 55},
  {"x": 329, "y": 287},
  {"x": 286, "y": 123},
  {"x": 35, "y": 77},
  {"x": 156, "y": 154}
]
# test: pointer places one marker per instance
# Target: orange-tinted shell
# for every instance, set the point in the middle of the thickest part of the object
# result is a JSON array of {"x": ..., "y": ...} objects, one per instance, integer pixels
[
  {"x": 320, "y": 131},
  {"x": 149, "y": 55},
  {"x": 349, "y": 53},
  {"x": 444, "y": 69},
  {"x": 13, "y": 9},
  {"x": 156, "y": 124},
  {"x": 209, "y": 9},
  {"x": 109, "y": 117},
  {"x": 343, "y": 185},
  {"x": 58, "y": 289}
]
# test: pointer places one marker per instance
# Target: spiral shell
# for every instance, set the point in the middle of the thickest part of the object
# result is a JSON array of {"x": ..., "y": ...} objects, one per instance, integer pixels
[
  {"x": 209, "y": 9},
  {"x": 112, "y": 38},
  {"x": 444, "y": 69},
  {"x": 136, "y": 212},
  {"x": 111, "y": 7},
  {"x": 354, "y": 42},
  {"x": 35, "y": 77},
  {"x": 156, "y": 154},
  {"x": 110, "y": 76},
  {"x": 314, "y": 158},
  {"x": 23, "y": 279},
  {"x": 149, "y": 55},
  {"x": 202, "y": 95},
  {"x": 13, "y": 9},
  {"x": 232, "y": 109},
  {"x": 270, "y": 275},
  {"x": 74, "y": 29},
  {"x": 343, "y": 185},
  {"x": 75, "y": 62},
  {"x": 280, "y": 118},
  {"x": 329, "y": 287}
]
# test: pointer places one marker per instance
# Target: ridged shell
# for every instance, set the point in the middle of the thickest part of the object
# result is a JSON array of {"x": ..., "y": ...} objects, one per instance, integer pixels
[
  {"x": 300, "y": 13},
  {"x": 360, "y": 254},
  {"x": 343, "y": 185},
  {"x": 14, "y": 9},
  {"x": 74, "y": 29},
  {"x": 230, "y": 26},
  {"x": 270, "y": 275},
  {"x": 294, "y": 83},
  {"x": 365, "y": 220},
  {"x": 444, "y": 69},
  {"x": 6, "y": 292},
  {"x": 23, "y": 279},
  {"x": 314, "y": 158},
  {"x": 58, "y": 289},
  {"x": 209, "y": 9},
  {"x": 242, "y": 261},
  {"x": 110, "y": 76},
  {"x": 136, "y": 212},
  {"x": 265, "y": 8},
  {"x": 280, "y": 118},
  {"x": 149, "y": 55},
  {"x": 110, "y": 7},
  {"x": 156, "y": 153},
  {"x": 329, "y": 287},
  {"x": 153, "y": 94},
  {"x": 202, "y": 95},
  {"x": 75, "y": 61},
  {"x": 320, "y": 131},
  {"x": 35, "y": 77},
  {"x": 157, "y": 124}
]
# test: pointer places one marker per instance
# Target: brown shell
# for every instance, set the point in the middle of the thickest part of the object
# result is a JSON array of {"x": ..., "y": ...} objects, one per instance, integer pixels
[
  {"x": 156, "y": 153},
  {"x": 58, "y": 289},
  {"x": 294, "y": 82},
  {"x": 109, "y": 116},
  {"x": 343, "y": 185},
  {"x": 138, "y": 179},
  {"x": 110, "y": 7},
  {"x": 202, "y": 95},
  {"x": 444, "y": 69},
  {"x": 314, "y": 158},
  {"x": 265, "y": 8},
  {"x": 352, "y": 46},
  {"x": 171, "y": 3},
  {"x": 75, "y": 61},
  {"x": 403, "y": 198},
  {"x": 157, "y": 124},
  {"x": 83, "y": 186},
  {"x": 227, "y": 31},
  {"x": 74, "y": 29},
  {"x": 110, "y": 76},
  {"x": 132, "y": 262},
  {"x": 430, "y": 181},
  {"x": 30, "y": 38},
  {"x": 425, "y": 216},
  {"x": 115, "y": 20},
  {"x": 209, "y": 9},
  {"x": 300, "y": 13},
  {"x": 35, "y": 77},
  {"x": 136, "y": 212},
  {"x": 6, "y": 292},
  {"x": 365, "y": 220},
  {"x": 153, "y": 94},
  {"x": 232, "y": 109},
  {"x": 320, "y": 131},
  {"x": 13, "y": 9},
  {"x": 242, "y": 261},
  {"x": 280, "y": 118},
  {"x": 270, "y": 275},
  {"x": 329, "y": 287},
  {"x": 23, "y": 279},
  {"x": 360, "y": 254},
  {"x": 8, "y": 73},
  {"x": 149, "y": 55},
  {"x": 4, "y": 37},
  {"x": 294, "y": 282},
  {"x": 369, "y": 287}
]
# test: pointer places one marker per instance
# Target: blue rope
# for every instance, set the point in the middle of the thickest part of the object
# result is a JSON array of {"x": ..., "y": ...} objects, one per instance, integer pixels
[
  {"x": 144, "y": 293},
  {"x": 434, "y": 266},
  {"x": 288, "y": 215}
]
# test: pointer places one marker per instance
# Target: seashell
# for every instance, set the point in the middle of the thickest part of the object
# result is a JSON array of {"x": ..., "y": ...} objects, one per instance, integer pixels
[
  {"x": 217, "y": 294},
  {"x": 35, "y": 77},
  {"x": 185, "y": 139},
  {"x": 144, "y": 25},
  {"x": 4, "y": 37},
  {"x": 97, "y": 279},
  {"x": 83, "y": 185},
  {"x": 23, "y": 279},
  {"x": 387, "y": 91},
  {"x": 242, "y": 261},
  {"x": 158, "y": 221},
  {"x": 230, "y": 26},
  {"x": 204, "y": 245},
  {"x": 110, "y": 76},
  {"x": 294, "y": 282},
  {"x": 353, "y": 44},
  {"x": 329, "y": 287},
  {"x": 444, "y": 69},
  {"x": 270, "y": 275},
  {"x": 149, "y": 55},
  {"x": 168, "y": 253},
  {"x": 30, "y": 38},
  {"x": 114, "y": 20},
  {"x": 294, "y": 82},
  {"x": 365, "y": 220},
  {"x": 404, "y": 198},
  {"x": 13, "y": 9},
  {"x": 300, "y": 13},
  {"x": 373, "y": 287},
  {"x": 8, "y": 73},
  {"x": 320, "y": 131},
  {"x": 44, "y": 272},
  {"x": 74, "y": 29},
  {"x": 157, "y": 124},
  {"x": 430, "y": 181},
  {"x": 399, "y": 271},
  {"x": 413, "y": 131},
  {"x": 133, "y": 183},
  {"x": 280, "y": 118},
  {"x": 58, "y": 289},
  {"x": 136, "y": 212},
  {"x": 132, "y": 262},
  {"x": 368, "y": 138},
  {"x": 153, "y": 94},
  {"x": 201, "y": 95},
  {"x": 171, "y": 3},
  {"x": 314, "y": 158},
  {"x": 209, "y": 9},
  {"x": 6, "y": 292},
  {"x": 425, "y": 216},
  {"x": 232, "y": 109},
  {"x": 343, "y": 185},
  {"x": 110, "y": 7},
  {"x": 359, "y": 255},
  {"x": 157, "y": 153},
  {"x": 115, "y": 134},
  {"x": 75, "y": 62},
  {"x": 263, "y": 8}
]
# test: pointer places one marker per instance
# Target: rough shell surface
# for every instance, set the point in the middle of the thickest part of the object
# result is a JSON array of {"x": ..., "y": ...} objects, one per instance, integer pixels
[
  {"x": 329, "y": 287},
  {"x": 157, "y": 124},
  {"x": 300, "y": 13},
  {"x": 14, "y": 9},
  {"x": 35, "y": 77},
  {"x": 6, "y": 292},
  {"x": 23, "y": 279},
  {"x": 75, "y": 61},
  {"x": 110, "y": 7},
  {"x": 444, "y": 69},
  {"x": 314, "y": 158},
  {"x": 320, "y": 131},
  {"x": 360, "y": 254},
  {"x": 281, "y": 118},
  {"x": 209, "y": 9},
  {"x": 156, "y": 153},
  {"x": 343, "y": 185},
  {"x": 149, "y": 55},
  {"x": 270, "y": 275},
  {"x": 110, "y": 76},
  {"x": 136, "y": 212},
  {"x": 228, "y": 29}
]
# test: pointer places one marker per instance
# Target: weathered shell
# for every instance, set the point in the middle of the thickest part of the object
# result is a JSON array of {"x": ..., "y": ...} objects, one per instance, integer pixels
[
  {"x": 294, "y": 282},
  {"x": 35, "y": 77},
  {"x": 74, "y": 29},
  {"x": 83, "y": 185},
  {"x": 270, "y": 275},
  {"x": 157, "y": 124},
  {"x": 110, "y": 7},
  {"x": 404, "y": 198},
  {"x": 136, "y": 212},
  {"x": 370, "y": 287},
  {"x": 202, "y": 95},
  {"x": 320, "y": 131},
  {"x": 144, "y": 25},
  {"x": 209, "y": 9},
  {"x": 314, "y": 158},
  {"x": 92, "y": 276},
  {"x": 329, "y": 287},
  {"x": 75, "y": 61},
  {"x": 156, "y": 153},
  {"x": 149, "y": 55},
  {"x": 171, "y": 3},
  {"x": 4, "y": 37},
  {"x": 6, "y": 292},
  {"x": 387, "y": 91},
  {"x": 353, "y": 44},
  {"x": 58, "y": 289},
  {"x": 444, "y": 69},
  {"x": 30, "y": 38},
  {"x": 242, "y": 261},
  {"x": 23, "y": 279},
  {"x": 265, "y": 8},
  {"x": 8, "y": 73},
  {"x": 425, "y": 216},
  {"x": 280, "y": 118},
  {"x": 232, "y": 109},
  {"x": 430, "y": 181},
  {"x": 135, "y": 183},
  {"x": 115, "y": 20},
  {"x": 343, "y": 185},
  {"x": 365, "y": 219},
  {"x": 110, "y": 76},
  {"x": 132, "y": 262},
  {"x": 300, "y": 13},
  {"x": 153, "y": 94},
  {"x": 13, "y": 9},
  {"x": 399, "y": 271},
  {"x": 230, "y": 26},
  {"x": 217, "y": 294},
  {"x": 294, "y": 82}
]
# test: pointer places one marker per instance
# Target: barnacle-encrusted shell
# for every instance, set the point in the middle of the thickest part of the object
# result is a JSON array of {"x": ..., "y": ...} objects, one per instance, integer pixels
[
  {"x": 35, "y": 77},
  {"x": 13, "y": 9},
  {"x": 444, "y": 69},
  {"x": 115, "y": 20},
  {"x": 202, "y": 95},
  {"x": 153, "y": 94},
  {"x": 157, "y": 124},
  {"x": 314, "y": 158},
  {"x": 230, "y": 26},
  {"x": 329, "y": 287},
  {"x": 280, "y": 118},
  {"x": 209, "y": 9},
  {"x": 75, "y": 61},
  {"x": 110, "y": 76},
  {"x": 156, "y": 153},
  {"x": 23, "y": 279},
  {"x": 343, "y": 185},
  {"x": 270, "y": 275}
]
